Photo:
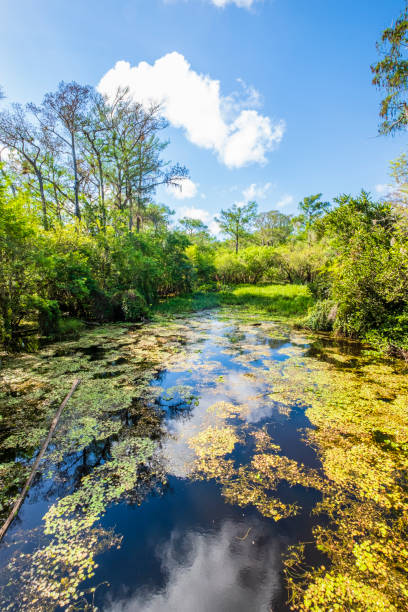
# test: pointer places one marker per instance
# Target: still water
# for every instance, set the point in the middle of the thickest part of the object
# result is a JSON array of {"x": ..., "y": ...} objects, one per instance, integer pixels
[{"x": 203, "y": 479}]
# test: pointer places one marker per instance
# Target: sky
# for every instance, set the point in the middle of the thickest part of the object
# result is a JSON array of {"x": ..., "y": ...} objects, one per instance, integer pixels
[{"x": 267, "y": 100}]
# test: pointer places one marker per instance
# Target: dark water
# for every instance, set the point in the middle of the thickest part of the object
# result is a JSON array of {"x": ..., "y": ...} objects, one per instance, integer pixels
[{"x": 185, "y": 546}]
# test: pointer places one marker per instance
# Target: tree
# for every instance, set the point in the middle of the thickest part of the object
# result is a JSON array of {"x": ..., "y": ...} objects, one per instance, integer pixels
[
  {"x": 193, "y": 226},
  {"x": 272, "y": 227},
  {"x": 20, "y": 244},
  {"x": 391, "y": 75},
  {"x": 18, "y": 134},
  {"x": 237, "y": 220},
  {"x": 312, "y": 209},
  {"x": 62, "y": 113},
  {"x": 133, "y": 150}
]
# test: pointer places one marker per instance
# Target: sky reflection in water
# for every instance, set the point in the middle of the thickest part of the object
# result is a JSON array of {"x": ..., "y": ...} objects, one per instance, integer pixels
[{"x": 235, "y": 566}]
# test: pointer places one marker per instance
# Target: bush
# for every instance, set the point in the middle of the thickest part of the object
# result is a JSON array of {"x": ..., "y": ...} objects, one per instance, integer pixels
[
  {"x": 251, "y": 265},
  {"x": 48, "y": 314},
  {"x": 70, "y": 327},
  {"x": 321, "y": 316},
  {"x": 188, "y": 303},
  {"x": 132, "y": 305}
]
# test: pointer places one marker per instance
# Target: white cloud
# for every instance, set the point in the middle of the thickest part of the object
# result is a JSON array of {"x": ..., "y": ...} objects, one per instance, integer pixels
[
  {"x": 256, "y": 192},
  {"x": 223, "y": 3},
  {"x": 382, "y": 189},
  {"x": 214, "y": 228},
  {"x": 193, "y": 102},
  {"x": 195, "y": 213},
  {"x": 203, "y": 215},
  {"x": 284, "y": 201},
  {"x": 186, "y": 190},
  {"x": 5, "y": 154},
  {"x": 243, "y": 99},
  {"x": 239, "y": 3}
]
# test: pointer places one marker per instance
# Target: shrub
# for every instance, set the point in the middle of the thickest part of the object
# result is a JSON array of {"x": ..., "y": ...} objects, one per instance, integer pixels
[
  {"x": 48, "y": 314},
  {"x": 321, "y": 316},
  {"x": 133, "y": 305},
  {"x": 70, "y": 327}
]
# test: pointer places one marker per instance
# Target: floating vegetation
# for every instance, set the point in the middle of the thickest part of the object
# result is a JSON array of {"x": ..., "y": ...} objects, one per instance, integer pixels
[
  {"x": 208, "y": 400},
  {"x": 359, "y": 410}
]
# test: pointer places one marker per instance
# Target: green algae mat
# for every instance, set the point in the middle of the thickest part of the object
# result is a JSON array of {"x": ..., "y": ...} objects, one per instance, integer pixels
[{"x": 216, "y": 462}]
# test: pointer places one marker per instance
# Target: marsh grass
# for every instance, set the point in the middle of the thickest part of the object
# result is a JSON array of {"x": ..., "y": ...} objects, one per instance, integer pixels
[
  {"x": 280, "y": 300},
  {"x": 188, "y": 303},
  {"x": 283, "y": 301}
]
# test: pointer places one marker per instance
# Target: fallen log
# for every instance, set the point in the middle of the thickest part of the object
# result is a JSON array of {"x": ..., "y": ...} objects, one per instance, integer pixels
[{"x": 40, "y": 455}]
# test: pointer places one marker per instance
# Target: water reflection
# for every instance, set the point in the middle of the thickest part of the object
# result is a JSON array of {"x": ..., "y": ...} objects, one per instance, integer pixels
[
  {"x": 213, "y": 435},
  {"x": 233, "y": 569}
]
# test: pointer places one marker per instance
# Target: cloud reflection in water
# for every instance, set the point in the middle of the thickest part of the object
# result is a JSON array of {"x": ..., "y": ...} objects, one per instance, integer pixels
[{"x": 221, "y": 571}]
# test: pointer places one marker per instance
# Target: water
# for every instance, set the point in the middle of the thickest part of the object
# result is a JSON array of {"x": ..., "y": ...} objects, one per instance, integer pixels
[
  {"x": 201, "y": 524},
  {"x": 189, "y": 549}
]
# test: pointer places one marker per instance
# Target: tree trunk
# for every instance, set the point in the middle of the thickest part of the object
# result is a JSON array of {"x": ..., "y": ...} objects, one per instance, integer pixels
[
  {"x": 102, "y": 194},
  {"x": 76, "y": 182},
  {"x": 43, "y": 200}
]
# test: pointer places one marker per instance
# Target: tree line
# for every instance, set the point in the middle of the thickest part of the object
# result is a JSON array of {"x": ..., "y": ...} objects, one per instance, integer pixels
[{"x": 82, "y": 237}]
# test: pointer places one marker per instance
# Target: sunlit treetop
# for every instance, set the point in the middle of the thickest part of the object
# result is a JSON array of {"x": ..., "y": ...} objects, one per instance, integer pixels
[{"x": 391, "y": 75}]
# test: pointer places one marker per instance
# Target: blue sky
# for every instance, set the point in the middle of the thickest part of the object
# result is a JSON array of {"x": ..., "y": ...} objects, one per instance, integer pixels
[{"x": 271, "y": 99}]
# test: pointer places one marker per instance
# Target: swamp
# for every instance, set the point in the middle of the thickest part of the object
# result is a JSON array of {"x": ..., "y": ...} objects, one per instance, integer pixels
[
  {"x": 203, "y": 306},
  {"x": 220, "y": 461}
]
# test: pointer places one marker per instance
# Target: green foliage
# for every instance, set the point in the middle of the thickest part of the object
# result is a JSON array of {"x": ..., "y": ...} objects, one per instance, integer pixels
[
  {"x": 312, "y": 208},
  {"x": 48, "y": 314},
  {"x": 70, "y": 327},
  {"x": 237, "y": 220},
  {"x": 188, "y": 303},
  {"x": 251, "y": 265},
  {"x": 391, "y": 75},
  {"x": 272, "y": 228},
  {"x": 321, "y": 316},
  {"x": 279, "y": 300},
  {"x": 133, "y": 305},
  {"x": 369, "y": 275},
  {"x": 192, "y": 226},
  {"x": 20, "y": 243},
  {"x": 301, "y": 262},
  {"x": 202, "y": 257}
]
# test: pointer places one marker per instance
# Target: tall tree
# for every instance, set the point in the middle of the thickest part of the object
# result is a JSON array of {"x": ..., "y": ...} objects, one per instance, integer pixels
[
  {"x": 63, "y": 113},
  {"x": 18, "y": 134},
  {"x": 391, "y": 75},
  {"x": 193, "y": 226},
  {"x": 237, "y": 220},
  {"x": 272, "y": 227},
  {"x": 135, "y": 165},
  {"x": 312, "y": 208}
]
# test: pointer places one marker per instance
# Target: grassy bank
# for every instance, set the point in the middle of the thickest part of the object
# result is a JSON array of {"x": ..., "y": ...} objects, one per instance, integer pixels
[{"x": 281, "y": 301}]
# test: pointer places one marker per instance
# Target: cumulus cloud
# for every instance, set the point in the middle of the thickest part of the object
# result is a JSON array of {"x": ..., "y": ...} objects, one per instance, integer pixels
[
  {"x": 203, "y": 215},
  {"x": 256, "y": 192},
  {"x": 186, "y": 189},
  {"x": 284, "y": 201},
  {"x": 213, "y": 571},
  {"x": 193, "y": 102},
  {"x": 195, "y": 213}
]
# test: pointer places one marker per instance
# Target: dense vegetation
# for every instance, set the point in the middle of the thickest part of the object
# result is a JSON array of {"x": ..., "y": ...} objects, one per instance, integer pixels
[
  {"x": 82, "y": 237},
  {"x": 97, "y": 247},
  {"x": 84, "y": 241}
]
